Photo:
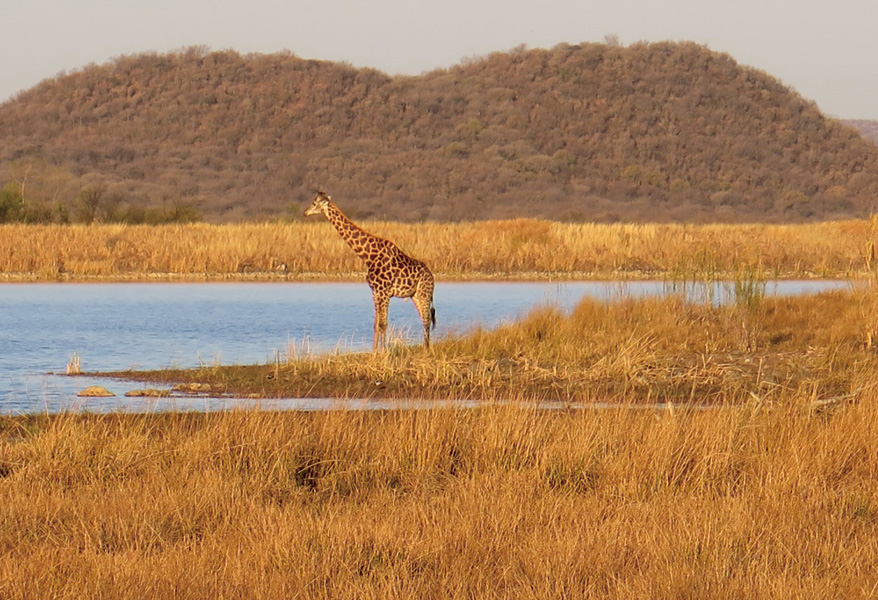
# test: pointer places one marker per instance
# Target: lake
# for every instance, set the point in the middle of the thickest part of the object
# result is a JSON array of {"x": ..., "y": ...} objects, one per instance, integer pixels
[{"x": 118, "y": 326}]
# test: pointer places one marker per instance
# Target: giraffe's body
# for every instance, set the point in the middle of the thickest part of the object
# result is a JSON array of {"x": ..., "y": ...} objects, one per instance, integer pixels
[{"x": 391, "y": 272}]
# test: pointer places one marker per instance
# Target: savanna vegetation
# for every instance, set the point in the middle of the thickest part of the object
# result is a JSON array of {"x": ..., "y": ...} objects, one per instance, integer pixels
[
  {"x": 497, "y": 502},
  {"x": 590, "y": 132},
  {"x": 801, "y": 350},
  {"x": 519, "y": 248},
  {"x": 769, "y": 494},
  {"x": 758, "y": 481}
]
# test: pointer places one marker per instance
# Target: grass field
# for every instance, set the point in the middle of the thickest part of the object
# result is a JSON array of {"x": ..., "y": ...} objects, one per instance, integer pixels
[
  {"x": 494, "y": 502},
  {"x": 518, "y": 248}
]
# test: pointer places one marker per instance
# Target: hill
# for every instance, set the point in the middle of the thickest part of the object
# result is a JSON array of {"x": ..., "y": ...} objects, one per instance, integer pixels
[{"x": 649, "y": 132}]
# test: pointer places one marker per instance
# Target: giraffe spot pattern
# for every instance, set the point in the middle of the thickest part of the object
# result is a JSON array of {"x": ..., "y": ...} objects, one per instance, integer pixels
[{"x": 391, "y": 272}]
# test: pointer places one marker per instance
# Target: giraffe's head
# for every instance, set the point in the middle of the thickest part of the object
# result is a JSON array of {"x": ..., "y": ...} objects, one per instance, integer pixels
[{"x": 319, "y": 205}]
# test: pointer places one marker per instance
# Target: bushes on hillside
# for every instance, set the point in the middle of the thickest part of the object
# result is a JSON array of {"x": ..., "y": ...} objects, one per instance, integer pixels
[{"x": 597, "y": 132}]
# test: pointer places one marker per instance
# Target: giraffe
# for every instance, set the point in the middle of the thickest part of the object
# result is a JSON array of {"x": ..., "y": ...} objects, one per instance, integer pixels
[{"x": 391, "y": 272}]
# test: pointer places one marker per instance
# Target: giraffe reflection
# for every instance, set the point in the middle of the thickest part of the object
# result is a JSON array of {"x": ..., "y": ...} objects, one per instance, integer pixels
[{"x": 391, "y": 271}]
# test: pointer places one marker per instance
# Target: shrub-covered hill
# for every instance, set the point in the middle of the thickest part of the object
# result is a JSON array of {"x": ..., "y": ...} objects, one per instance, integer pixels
[{"x": 662, "y": 131}]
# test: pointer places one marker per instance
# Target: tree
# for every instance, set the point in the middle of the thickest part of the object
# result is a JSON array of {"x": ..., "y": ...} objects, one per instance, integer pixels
[
  {"x": 11, "y": 203},
  {"x": 87, "y": 206}
]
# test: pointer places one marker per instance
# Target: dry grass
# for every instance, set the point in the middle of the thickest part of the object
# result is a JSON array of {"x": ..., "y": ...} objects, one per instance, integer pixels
[
  {"x": 778, "y": 350},
  {"x": 496, "y": 502},
  {"x": 517, "y": 248},
  {"x": 773, "y": 496}
]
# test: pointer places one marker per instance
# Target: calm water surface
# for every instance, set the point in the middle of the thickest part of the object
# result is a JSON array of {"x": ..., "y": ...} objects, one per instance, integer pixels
[{"x": 157, "y": 325}]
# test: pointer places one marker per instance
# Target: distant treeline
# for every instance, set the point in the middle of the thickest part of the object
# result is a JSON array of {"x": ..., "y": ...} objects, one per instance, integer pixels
[
  {"x": 91, "y": 204},
  {"x": 591, "y": 132}
]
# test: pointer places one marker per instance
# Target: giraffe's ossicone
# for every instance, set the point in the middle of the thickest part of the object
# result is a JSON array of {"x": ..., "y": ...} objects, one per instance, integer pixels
[{"x": 391, "y": 272}]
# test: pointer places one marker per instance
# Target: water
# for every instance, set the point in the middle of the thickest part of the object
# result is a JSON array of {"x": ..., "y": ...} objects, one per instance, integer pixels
[{"x": 123, "y": 326}]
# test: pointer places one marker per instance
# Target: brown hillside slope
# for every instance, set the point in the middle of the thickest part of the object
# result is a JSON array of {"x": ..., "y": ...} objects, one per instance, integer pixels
[{"x": 665, "y": 131}]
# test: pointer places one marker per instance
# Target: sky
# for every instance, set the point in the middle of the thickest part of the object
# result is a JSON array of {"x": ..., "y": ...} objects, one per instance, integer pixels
[{"x": 827, "y": 50}]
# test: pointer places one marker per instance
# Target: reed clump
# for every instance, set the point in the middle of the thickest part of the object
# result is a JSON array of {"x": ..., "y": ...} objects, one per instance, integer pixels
[
  {"x": 519, "y": 248},
  {"x": 499, "y": 501}
]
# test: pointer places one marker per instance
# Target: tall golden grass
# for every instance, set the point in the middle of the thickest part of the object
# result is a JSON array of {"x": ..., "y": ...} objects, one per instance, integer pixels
[
  {"x": 794, "y": 350},
  {"x": 771, "y": 493},
  {"x": 494, "y": 502},
  {"x": 517, "y": 248}
]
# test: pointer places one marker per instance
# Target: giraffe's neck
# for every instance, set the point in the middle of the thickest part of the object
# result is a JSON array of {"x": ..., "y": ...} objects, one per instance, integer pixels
[{"x": 355, "y": 236}]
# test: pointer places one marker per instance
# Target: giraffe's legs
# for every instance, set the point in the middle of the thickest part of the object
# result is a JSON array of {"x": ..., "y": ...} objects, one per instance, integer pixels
[
  {"x": 382, "y": 301},
  {"x": 423, "y": 300}
]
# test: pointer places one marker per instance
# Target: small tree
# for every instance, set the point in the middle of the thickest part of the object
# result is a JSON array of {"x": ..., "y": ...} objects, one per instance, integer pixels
[
  {"x": 88, "y": 203},
  {"x": 612, "y": 40},
  {"x": 11, "y": 203}
]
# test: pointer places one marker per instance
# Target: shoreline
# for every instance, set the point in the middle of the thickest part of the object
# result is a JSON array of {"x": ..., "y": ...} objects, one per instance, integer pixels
[{"x": 524, "y": 276}]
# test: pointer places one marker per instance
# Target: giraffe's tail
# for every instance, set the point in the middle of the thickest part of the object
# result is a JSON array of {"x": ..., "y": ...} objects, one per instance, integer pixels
[{"x": 432, "y": 317}]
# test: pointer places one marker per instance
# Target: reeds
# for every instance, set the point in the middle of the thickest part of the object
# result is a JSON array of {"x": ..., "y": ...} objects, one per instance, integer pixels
[
  {"x": 518, "y": 248},
  {"x": 498, "y": 501}
]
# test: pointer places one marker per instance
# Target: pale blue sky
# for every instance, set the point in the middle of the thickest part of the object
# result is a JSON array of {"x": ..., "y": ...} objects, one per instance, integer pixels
[{"x": 824, "y": 49}]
